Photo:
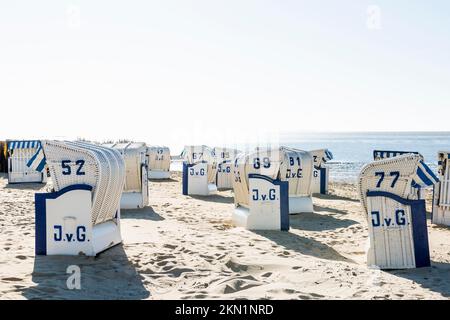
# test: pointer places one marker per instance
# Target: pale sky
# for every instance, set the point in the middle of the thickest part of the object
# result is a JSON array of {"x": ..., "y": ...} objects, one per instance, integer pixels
[{"x": 182, "y": 72}]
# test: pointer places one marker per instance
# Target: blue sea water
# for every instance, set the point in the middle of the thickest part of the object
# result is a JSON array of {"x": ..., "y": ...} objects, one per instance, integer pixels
[{"x": 352, "y": 151}]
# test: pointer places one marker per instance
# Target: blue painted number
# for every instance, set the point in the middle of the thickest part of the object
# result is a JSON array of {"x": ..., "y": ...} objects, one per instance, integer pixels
[{"x": 381, "y": 175}]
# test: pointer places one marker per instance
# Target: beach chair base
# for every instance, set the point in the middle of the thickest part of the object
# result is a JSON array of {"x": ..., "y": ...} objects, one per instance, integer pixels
[
  {"x": 132, "y": 200},
  {"x": 224, "y": 182},
  {"x": 241, "y": 218},
  {"x": 300, "y": 205},
  {"x": 64, "y": 225},
  {"x": 158, "y": 175},
  {"x": 268, "y": 205},
  {"x": 25, "y": 177},
  {"x": 440, "y": 216}
]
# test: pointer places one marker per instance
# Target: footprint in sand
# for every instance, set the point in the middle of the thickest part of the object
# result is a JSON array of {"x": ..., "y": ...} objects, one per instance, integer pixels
[
  {"x": 21, "y": 257},
  {"x": 12, "y": 279}
]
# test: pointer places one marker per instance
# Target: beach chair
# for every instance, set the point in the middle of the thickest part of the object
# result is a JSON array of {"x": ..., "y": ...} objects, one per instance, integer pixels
[
  {"x": 385, "y": 154},
  {"x": 270, "y": 184},
  {"x": 135, "y": 192},
  {"x": 199, "y": 171},
  {"x": 396, "y": 215},
  {"x": 441, "y": 197},
  {"x": 224, "y": 158},
  {"x": 82, "y": 213},
  {"x": 158, "y": 158},
  {"x": 321, "y": 171},
  {"x": 19, "y": 153}
]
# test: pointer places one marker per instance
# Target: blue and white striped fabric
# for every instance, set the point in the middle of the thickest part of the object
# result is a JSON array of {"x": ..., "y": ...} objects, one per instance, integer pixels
[
  {"x": 424, "y": 176},
  {"x": 328, "y": 156},
  {"x": 38, "y": 161},
  {"x": 381, "y": 154},
  {"x": 30, "y": 144}
]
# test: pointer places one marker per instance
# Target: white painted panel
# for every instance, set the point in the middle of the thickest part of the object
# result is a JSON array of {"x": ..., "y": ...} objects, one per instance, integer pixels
[
  {"x": 225, "y": 175},
  {"x": 390, "y": 233},
  {"x": 441, "y": 202},
  {"x": 198, "y": 179},
  {"x": 264, "y": 211}
]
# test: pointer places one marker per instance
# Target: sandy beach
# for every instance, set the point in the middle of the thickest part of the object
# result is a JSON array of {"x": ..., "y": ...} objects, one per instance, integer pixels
[{"x": 184, "y": 247}]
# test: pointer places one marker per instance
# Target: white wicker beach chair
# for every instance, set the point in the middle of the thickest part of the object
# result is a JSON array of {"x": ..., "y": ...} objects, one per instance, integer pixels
[
  {"x": 321, "y": 171},
  {"x": 285, "y": 171},
  {"x": 199, "y": 171},
  {"x": 224, "y": 158},
  {"x": 396, "y": 215},
  {"x": 20, "y": 152},
  {"x": 158, "y": 162},
  {"x": 88, "y": 181},
  {"x": 441, "y": 197},
  {"x": 135, "y": 192}
]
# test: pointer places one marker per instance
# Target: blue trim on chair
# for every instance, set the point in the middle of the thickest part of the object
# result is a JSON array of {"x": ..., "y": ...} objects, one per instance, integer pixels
[
  {"x": 420, "y": 234},
  {"x": 186, "y": 167},
  {"x": 260, "y": 176},
  {"x": 56, "y": 194},
  {"x": 323, "y": 180},
  {"x": 392, "y": 196},
  {"x": 419, "y": 226},
  {"x": 284, "y": 204},
  {"x": 40, "y": 239},
  {"x": 41, "y": 214}
]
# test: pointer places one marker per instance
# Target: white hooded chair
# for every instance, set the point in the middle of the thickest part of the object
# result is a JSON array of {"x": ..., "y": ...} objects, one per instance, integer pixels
[
  {"x": 269, "y": 185},
  {"x": 224, "y": 158},
  {"x": 158, "y": 158},
  {"x": 199, "y": 171},
  {"x": 135, "y": 192},
  {"x": 441, "y": 197},
  {"x": 20, "y": 153},
  {"x": 396, "y": 215},
  {"x": 321, "y": 171},
  {"x": 82, "y": 214}
]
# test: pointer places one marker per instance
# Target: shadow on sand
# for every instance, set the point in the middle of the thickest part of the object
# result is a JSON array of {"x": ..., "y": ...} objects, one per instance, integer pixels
[
  {"x": 110, "y": 275},
  {"x": 329, "y": 209},
  {"x": 435, "y": 278},
  {"x": 318, "y": 222},
  {"x": 25, "y": 186},
  {"x": 334, "y": 197},
  {"x": 303, "y": 245},
  {"x": 215, "y": 198},
  {"x": 146, "y": 213},
  {"x": 163, "y": 180}
]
